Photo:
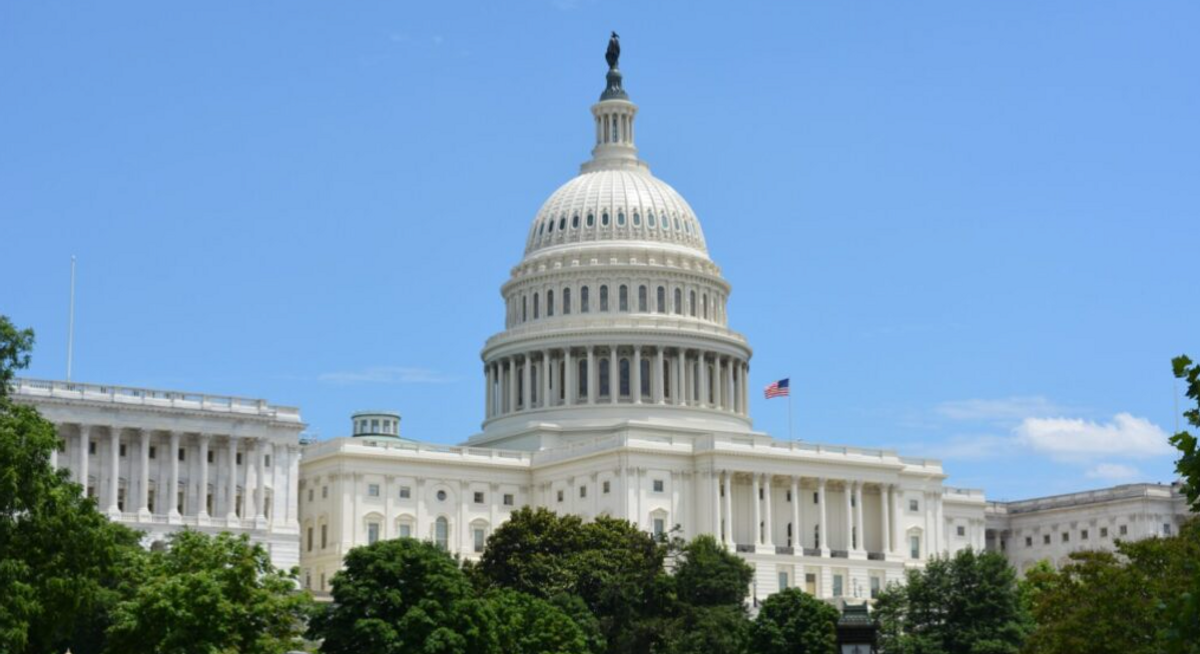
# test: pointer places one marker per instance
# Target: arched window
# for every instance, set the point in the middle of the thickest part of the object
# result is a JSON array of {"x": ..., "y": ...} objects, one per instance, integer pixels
[
  {"x": 575, "y": 221},
  {"x": 583, "y": 378},
  {"x": 603, "y": 297},
  {"x": 678, "y": 301},
  {"x": 645, "y": 366},
  {"x": 524, "y": 308},
  {"x": 623, "y": 299},
  {"x": 604, "y": 385},
  {"x": 535, "y": 306},
  {"x": 642, "y": 299},
  {"x": 583, "y": 300},
  {"x": 691, "y": 304},
  {"x": 687, "y": 226},
  {"x": 542, "y": 228},
  {"x": 662, "y": 300},
  {"x": 637, "y": 218},
  {"x": 591, "y": 219},
  {"x": 566, "y": 301},
  {"x": 562, "y": 223},
  {"x": 551, "y": 229},
  {"x": 441, "y": 532},
  {"x": 704, "y": 305},
  {"x": 620, "y": 219},
  {"x": 604, "y": 219},
  {"x": 624, "y": 372},
  {"x": 550, "y": 304},
  {"x": 650, "y": 220}
]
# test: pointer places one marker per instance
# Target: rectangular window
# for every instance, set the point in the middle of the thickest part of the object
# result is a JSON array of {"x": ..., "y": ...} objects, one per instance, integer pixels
[
  {"x": 816, "y": 498},
  {"x": 1083, "y": 535},
  {"x": 509, "y": 500},
  {"x": 372, "y": 490},
  {"x": 913, "y": 505},
  {"x": 789, "y": 496},
  {"x": 406, "y": 531},
  {"x": 210, "y": 456},
  {"x": 658, "y": 485},
  {"x": 405, "y": 492},
  {"x": 837, "y": 585},
  {"x": 1166, "y": 529},
  {"x": 660, "y": 527},
  {"x": 1104, "y": 532},
  {"x": 122, "y": 452},
  {"x": 1123, "y": 530},
  {"x": 914, "y": 547},
  {"x": 1066, "y": 537},
  {"x": 324, "y": 536},
  {"x": 153, "y": 452},
  {"x": 91, "y": 447},
  {"x": 324, "y": 492},
  {"x": 560, "y": 496},
  {"x": 876, "y": 583},
  {"x": 310, "y": 538},
  {"x": 961, "y": 530},
  {"x": 266, "y": 460},
  {"x": 480, "y": 537},
  {"x": 182, "y": 453},
  {"x": 1029, "y": 541},
  {"x": 310, "y": 495},
  {"x": 478, "y": 497},
  {"x": 372, "y": 533},
  {"x": 583, "y": 491},
  {"x": 783, "y": 580},
  {"x": 1045, "y": 539},
  {"x": 607, "y": 486},
  {"x": 239, "y": 458}
]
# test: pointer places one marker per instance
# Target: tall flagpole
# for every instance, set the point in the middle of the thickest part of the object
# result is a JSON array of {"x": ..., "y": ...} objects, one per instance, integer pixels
[{"x": 71, "y": 322}]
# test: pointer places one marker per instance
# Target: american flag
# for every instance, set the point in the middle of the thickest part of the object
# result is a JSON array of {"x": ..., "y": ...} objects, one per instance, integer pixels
[{"x": 777, "y": 389}]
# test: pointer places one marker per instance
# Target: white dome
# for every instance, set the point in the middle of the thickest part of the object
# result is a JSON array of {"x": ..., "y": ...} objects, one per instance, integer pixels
[{"x": 616, "y": 204}]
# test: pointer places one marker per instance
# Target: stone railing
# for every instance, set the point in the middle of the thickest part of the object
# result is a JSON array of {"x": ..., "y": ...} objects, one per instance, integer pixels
[
  {"x": 812, "y": 551},
  {"x": 473, "y": 454},
  {"x": 1124, "y": 492},
  {"x": 875, "y": 556},
  {"x": 839, "y": 554},
  {"x": 38, "y": 388},
  {"x": 598, "y": 322},
  {"x": 745, "y": 548},
  {"x": 784, "y": 549},
  {"x": 963, "y": 493}
]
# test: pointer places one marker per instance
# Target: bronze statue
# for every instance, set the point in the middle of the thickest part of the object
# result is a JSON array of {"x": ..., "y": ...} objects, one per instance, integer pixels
[{"x": 614, "y": 51}]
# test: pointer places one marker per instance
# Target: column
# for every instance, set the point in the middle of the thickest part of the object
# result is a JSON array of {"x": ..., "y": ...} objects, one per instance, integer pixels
[
  {"x": 730, "y": 392},
  {"x": 569, "y": 384},
  {"x": 885, "y": 529},
  {"x": 745, "y": 389},
  {"x": 144, "y": 484},
  {"x": 716, "y": 499},
  {"x": 593, "y": 378},
  {"x": 512, "y": 384},
  {"x": 614, "y": 379},
  {"x": 173, "y": 491},
  {"x": 231, "y": 497},
  {"x": 526, "y": 393},
  {"x": 659, "y": 390},
  {"x": 487, "y": 390},
  {"x": 846, "y": 492},
  {"x": 702, "y": 372},
  {"x": 547, "y": 367},
  {"x": 797, "y": 540},
  {"x": 941, "y": 523},
  {"x": 293, "y": 485},
  {"x": 858, "y": 516},
  {"x": 260, "y": 481},
  {"x": 250, "y": 489},
  {"x": 203, "y": 510},
  {"x": 718, "y": 395},
  {"x": 635, "y": 388},
  {"x": 114, "y": 509},
  {"x": 729, "y": 508},
  {"x": 823, "y": 541},
  {"x": 85, "y": 439},
  {"x": 768, "y": 535},
  {"x": 758, "y": 539},
  {"x": 897, "y": 512},
  {"x": 677, "y": 370}
]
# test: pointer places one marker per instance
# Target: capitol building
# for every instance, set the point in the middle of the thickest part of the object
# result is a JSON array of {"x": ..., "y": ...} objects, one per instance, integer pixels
[{"x": 617, "y": 387}]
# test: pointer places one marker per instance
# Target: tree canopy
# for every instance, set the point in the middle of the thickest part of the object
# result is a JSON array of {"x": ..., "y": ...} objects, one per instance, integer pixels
[{"x": 794, "y": 622}]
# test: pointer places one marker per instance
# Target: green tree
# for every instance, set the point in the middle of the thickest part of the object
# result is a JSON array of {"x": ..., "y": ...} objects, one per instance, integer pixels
[
  {"x": 61, "y": 561},
  {"x": 526, "y": 624},
  {"x": 794, "y": 622},
  {"x": 720, "y": 629},
  {"x": 969, "y": 603},
  {"x": 404, "y": 597},
  {"x": 1184, "y": 633},
  {"x": 205, "y": 594},
  {"x": 708, "y": 574}
]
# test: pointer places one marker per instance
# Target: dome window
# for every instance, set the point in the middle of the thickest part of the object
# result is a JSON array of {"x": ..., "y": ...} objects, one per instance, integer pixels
[
  {"x": 541, "y": 229},
  {"x": 535, "y": 306},
  {"x": 575, "y": 221},
  {"x": 678, "y": 302},
  {"x": 551, "y": 229},
  {"x": 591, "y": 220},
  {"x": 562, "y": 223},
  {"x": 620, "y": 219},
  {"x": 566, "y": 295},
  {"x": 637, "y": 219},
  {"x": 642, "y": 299},
  {"x": 624, "y": 298},
  {"x": 687, "y": 226},
  {"x": 604, "y": 297},
  {"x": 583, "y": 299},
  {"x": 676, "y": 223},
  {"x": 661, "y": 298},
  {"x": 550, "y": 304},
  {"x": 650, "y": 220},
  {"x": 604, "y": 219}
]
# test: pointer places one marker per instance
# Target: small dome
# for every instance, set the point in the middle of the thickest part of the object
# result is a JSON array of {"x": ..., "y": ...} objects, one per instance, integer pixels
[
  {"x": 375, "y": 424},
  {"x": 616, "y": 204}
]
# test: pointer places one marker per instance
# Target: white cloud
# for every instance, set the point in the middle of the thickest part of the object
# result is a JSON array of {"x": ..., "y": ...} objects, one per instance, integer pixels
[
  {"x": 386, "y": 375},
  {"x": 1077, "y": 439},
  {"x": 1008, "y": 409},
  {"x": 973, "y": 447},
  {"x": 1112, "y": 472}
]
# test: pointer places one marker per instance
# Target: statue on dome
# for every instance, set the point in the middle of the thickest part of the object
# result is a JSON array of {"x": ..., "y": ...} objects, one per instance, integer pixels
[{"x": 614, "y": 51}]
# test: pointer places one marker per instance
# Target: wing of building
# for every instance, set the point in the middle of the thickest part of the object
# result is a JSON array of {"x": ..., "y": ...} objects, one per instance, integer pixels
[{"x": 619, "y": 388}]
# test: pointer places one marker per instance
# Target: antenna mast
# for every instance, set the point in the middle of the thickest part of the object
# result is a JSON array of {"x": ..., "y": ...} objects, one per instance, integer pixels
[{"x": 71, "y": 321}]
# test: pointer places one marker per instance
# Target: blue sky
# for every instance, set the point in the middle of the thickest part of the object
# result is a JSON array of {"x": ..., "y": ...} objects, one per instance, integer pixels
[{"x": 964, "y": 230}]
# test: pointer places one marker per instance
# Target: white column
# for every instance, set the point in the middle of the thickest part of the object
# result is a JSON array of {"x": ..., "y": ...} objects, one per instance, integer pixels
[
  {"x": 885, "y": 528},
  {"x": 846, "y": 491},
  {"x": 730, "y": 392},
  {"x": 232, "y": 482},
  {"x": 85, "y": 440},
  {"x": 941, "y": 524},
  {"x": 635, "y": 388},
  {"x": 114, "y": 509},
  {"x": 512, "y": 384},
  {"x": 592, "y": 376},
  {"x": 173, "y": 491},
  {"x": 768, "y": 530},
  {"x": 293, "y": 484},
  {"x": 677, "y": 371},
  {"x": 547, "y": 367},
  {"x": 897, "y": 512},
  {"x": 823, "y": 541},
  {"x": 250, "y": 490},
  {"x": 716, "y": 499},
  {"x": 614, "y": 378},
  {"x": 203, "y": 510},
  {"x": 729, "y": 509},
  {"x": 758, "y": 529},
  {"x": 487, "y": 390},
  {"x": 702, "y": 371},
  {"x": 659, "y": 393},
  {"x": 260, "y": 482},
  {"x": 526, "y": 385},
  {"x": 858, "y": 516},
  {"x": 745, "y": 389},
  {"x": 144, "y": 476},
  {"x": 718, "y": 394},
  {"x": 797, "y": 541},
  {"x": 569, "y": 385}
]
